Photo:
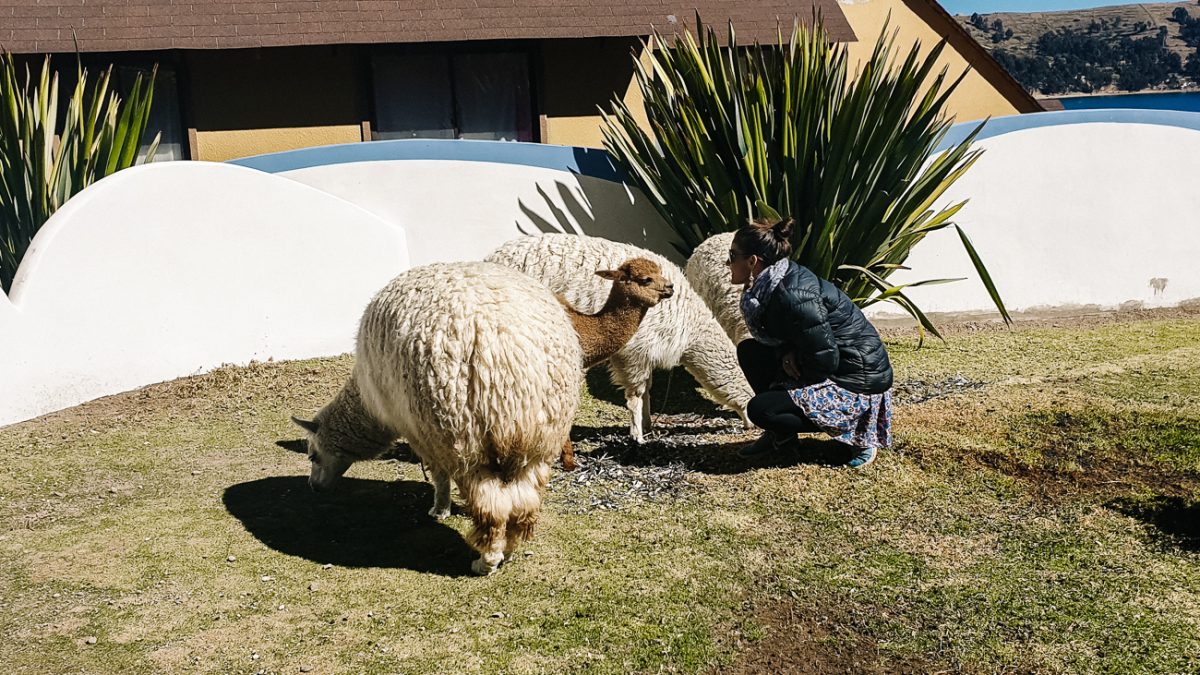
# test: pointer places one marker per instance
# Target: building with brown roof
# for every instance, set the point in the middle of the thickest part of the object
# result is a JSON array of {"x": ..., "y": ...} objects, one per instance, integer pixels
[{"x": 243, "y": 77}]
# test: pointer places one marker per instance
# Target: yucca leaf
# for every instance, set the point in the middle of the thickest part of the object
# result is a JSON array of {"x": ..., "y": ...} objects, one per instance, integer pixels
[
  {"x": 42, "y": 164},
  {"x": 786, "y": 129},
  {"x": 984, "y": 276}
]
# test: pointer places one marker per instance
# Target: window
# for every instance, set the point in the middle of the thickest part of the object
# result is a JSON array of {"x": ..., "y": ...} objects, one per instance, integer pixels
[
  {"x": 165, "y": 116},
  {"x": 443, "y": 94}
]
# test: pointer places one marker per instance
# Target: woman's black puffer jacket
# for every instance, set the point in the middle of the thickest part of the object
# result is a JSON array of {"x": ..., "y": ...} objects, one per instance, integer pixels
[{"x": 830, "y": 336}]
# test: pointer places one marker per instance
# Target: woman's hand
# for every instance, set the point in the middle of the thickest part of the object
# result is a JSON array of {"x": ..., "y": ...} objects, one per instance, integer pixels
[{"x": 789, "y": 365}]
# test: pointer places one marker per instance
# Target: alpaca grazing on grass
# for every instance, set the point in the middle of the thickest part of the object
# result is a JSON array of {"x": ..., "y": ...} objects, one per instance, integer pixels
[
  {"x": 478, "y": 367},
  {"x": 679, "y": 331},
  {"x": 638, "y": 285}
]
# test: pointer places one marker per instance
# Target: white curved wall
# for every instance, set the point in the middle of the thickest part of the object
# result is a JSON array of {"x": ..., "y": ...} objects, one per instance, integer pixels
[
  {"x": 1069, "y": 215},
  {"x": 463, "y": 210},
  {"x": 171, "y": 269}
]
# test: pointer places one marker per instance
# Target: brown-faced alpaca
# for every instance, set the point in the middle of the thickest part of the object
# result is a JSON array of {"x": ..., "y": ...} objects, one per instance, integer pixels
[{"x": 638, "y": 285}]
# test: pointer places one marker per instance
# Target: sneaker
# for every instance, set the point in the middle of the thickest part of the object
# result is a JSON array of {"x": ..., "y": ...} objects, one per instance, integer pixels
[
  {"x": 862, "y": 457},
  {"x": 769, "y": 442}
]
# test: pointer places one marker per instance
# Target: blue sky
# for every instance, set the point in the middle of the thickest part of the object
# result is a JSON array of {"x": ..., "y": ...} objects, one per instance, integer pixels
[{"x": 985, "y": 6}]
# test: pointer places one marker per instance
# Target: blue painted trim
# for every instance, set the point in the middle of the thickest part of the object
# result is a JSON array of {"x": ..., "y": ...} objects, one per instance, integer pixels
[
  {"x": 583, "y": 161},
  {"x": 597, "y": 163},
  {"x": 999, "y": 126}
]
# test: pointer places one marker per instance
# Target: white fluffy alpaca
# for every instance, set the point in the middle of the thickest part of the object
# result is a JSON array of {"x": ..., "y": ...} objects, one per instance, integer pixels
[
  {"x": 477, "y": 366},
  {"x": 678, "y": 331},
  {"x": 708, "y": 274}
]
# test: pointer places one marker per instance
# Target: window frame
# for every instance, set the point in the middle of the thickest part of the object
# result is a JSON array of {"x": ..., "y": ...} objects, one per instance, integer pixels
[{"x": 447, "y": 50}]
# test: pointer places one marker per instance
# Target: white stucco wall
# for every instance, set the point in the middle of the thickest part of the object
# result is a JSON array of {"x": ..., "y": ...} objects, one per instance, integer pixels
[
  {"x": 463, "y": 210},
  {"x": 176, "y": 268},
  {"x": 1071, "y": 215}
]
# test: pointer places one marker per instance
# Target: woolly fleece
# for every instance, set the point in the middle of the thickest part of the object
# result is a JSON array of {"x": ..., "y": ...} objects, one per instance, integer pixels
[{"x": 678, "y": 331}]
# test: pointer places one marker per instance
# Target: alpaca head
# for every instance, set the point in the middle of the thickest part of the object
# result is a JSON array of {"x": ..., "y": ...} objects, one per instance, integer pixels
[
  {"x": 328, "y": 463},
  {"x": 640, "y": 281}
]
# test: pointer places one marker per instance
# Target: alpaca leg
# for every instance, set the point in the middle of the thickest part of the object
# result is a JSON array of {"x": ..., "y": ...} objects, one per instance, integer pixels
[
  {"x": 568, "y": 456},
  {"x": 490, "y": 505},
  {"x": 646, "y": 424},
  {"x": 527, "y": 505},
  {"x": 441, "y": 495},
  {"x": 634, "y": 403},
  {"x": 746, "y": 423},
  {"x": 634, "y": 379}
]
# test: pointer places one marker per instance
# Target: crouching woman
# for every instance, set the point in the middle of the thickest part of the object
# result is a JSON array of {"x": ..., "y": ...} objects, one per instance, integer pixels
[{"x": 815, "y": 363}]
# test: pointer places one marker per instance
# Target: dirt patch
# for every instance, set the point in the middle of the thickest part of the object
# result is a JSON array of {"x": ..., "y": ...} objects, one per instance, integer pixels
[
  {"x": 820, "y": 639},
  {"x": 226, "y": 392},
  {"x": 1067, "y": 454},
  {"x": 1066, "y": 476}
]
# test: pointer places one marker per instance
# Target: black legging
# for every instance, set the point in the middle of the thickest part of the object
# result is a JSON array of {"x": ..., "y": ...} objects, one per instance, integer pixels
[{"x": 770, "y": 409}]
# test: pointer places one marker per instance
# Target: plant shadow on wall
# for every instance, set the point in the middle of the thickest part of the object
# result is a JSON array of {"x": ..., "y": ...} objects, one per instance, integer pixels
[
  {"x": 596, "y": 207},
  {"x": 571, "y": 213},
  {"x": 358, "y": 523},
  {"x": 737, "y": 133},
  {"x": 42, "y": 165}
]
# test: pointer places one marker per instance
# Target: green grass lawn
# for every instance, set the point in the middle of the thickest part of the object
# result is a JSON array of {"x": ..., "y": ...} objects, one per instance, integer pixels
[{"x": 1041, "y": 515}]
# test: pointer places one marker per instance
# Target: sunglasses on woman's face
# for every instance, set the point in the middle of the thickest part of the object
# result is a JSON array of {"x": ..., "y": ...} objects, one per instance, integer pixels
[{"x": 734, "y": 255}]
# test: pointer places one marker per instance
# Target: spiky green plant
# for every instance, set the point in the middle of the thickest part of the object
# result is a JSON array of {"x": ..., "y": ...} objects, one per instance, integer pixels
[
  {"x": 43, "y": 165},
  {"x": 737, "y": 133}
]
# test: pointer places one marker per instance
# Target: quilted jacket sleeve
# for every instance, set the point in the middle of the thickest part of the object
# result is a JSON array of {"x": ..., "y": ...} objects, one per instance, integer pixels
[{"x": 806, "y": 325}]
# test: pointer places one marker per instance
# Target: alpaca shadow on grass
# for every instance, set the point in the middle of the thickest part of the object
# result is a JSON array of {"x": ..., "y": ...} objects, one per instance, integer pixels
[
  {"x": 399, "y": 451},
  {"x": 357, "y": 523},
  {"x": 298, "y": 445},
  {"x": 1175, "y": 518},
  {"x": 711, "y": 454},
  {"x": 678, "y": 439},
  {"x": 722, "y": 458}
]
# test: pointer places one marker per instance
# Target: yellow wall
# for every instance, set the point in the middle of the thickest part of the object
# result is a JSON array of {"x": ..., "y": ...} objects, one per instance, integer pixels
[
  {"x": 975, "y": 97},
  {"x": 219, "y": 146}
]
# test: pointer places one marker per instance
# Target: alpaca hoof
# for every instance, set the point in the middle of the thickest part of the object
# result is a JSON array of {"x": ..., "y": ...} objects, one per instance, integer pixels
[
  {"x": 482, "y": 567},
  {"x": 569, "y": 463},
  {"x": 440, "y": 514}
]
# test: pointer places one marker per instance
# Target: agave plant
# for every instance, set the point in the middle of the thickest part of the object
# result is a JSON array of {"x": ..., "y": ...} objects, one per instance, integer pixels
[
  {"x": 737, "y": 133},
  {"x": 43, "y": 165}
]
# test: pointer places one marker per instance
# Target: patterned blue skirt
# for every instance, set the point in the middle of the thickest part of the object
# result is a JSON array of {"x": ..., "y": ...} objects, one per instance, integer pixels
[{"x": 861, "y": 420}]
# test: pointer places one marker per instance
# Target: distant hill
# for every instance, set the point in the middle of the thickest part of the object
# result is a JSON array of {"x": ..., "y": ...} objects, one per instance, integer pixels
[{"x": 1126, "y": 48}]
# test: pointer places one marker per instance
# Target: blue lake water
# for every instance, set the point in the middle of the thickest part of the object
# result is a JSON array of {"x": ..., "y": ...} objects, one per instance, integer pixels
[{"x": 1188, "y": 101}]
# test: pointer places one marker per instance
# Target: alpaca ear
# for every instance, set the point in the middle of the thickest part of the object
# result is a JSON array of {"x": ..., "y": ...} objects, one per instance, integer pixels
[
  {"x": 308, "y": 426},
  {"x": 612, "y": 275}
]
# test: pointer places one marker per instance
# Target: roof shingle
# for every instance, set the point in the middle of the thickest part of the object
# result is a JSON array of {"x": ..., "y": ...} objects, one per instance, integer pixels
[{"x": 30, "y": 26}]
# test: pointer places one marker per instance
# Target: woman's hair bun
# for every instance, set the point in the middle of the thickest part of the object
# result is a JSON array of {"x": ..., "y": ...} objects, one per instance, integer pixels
[{"x": 783, "y": 229}]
